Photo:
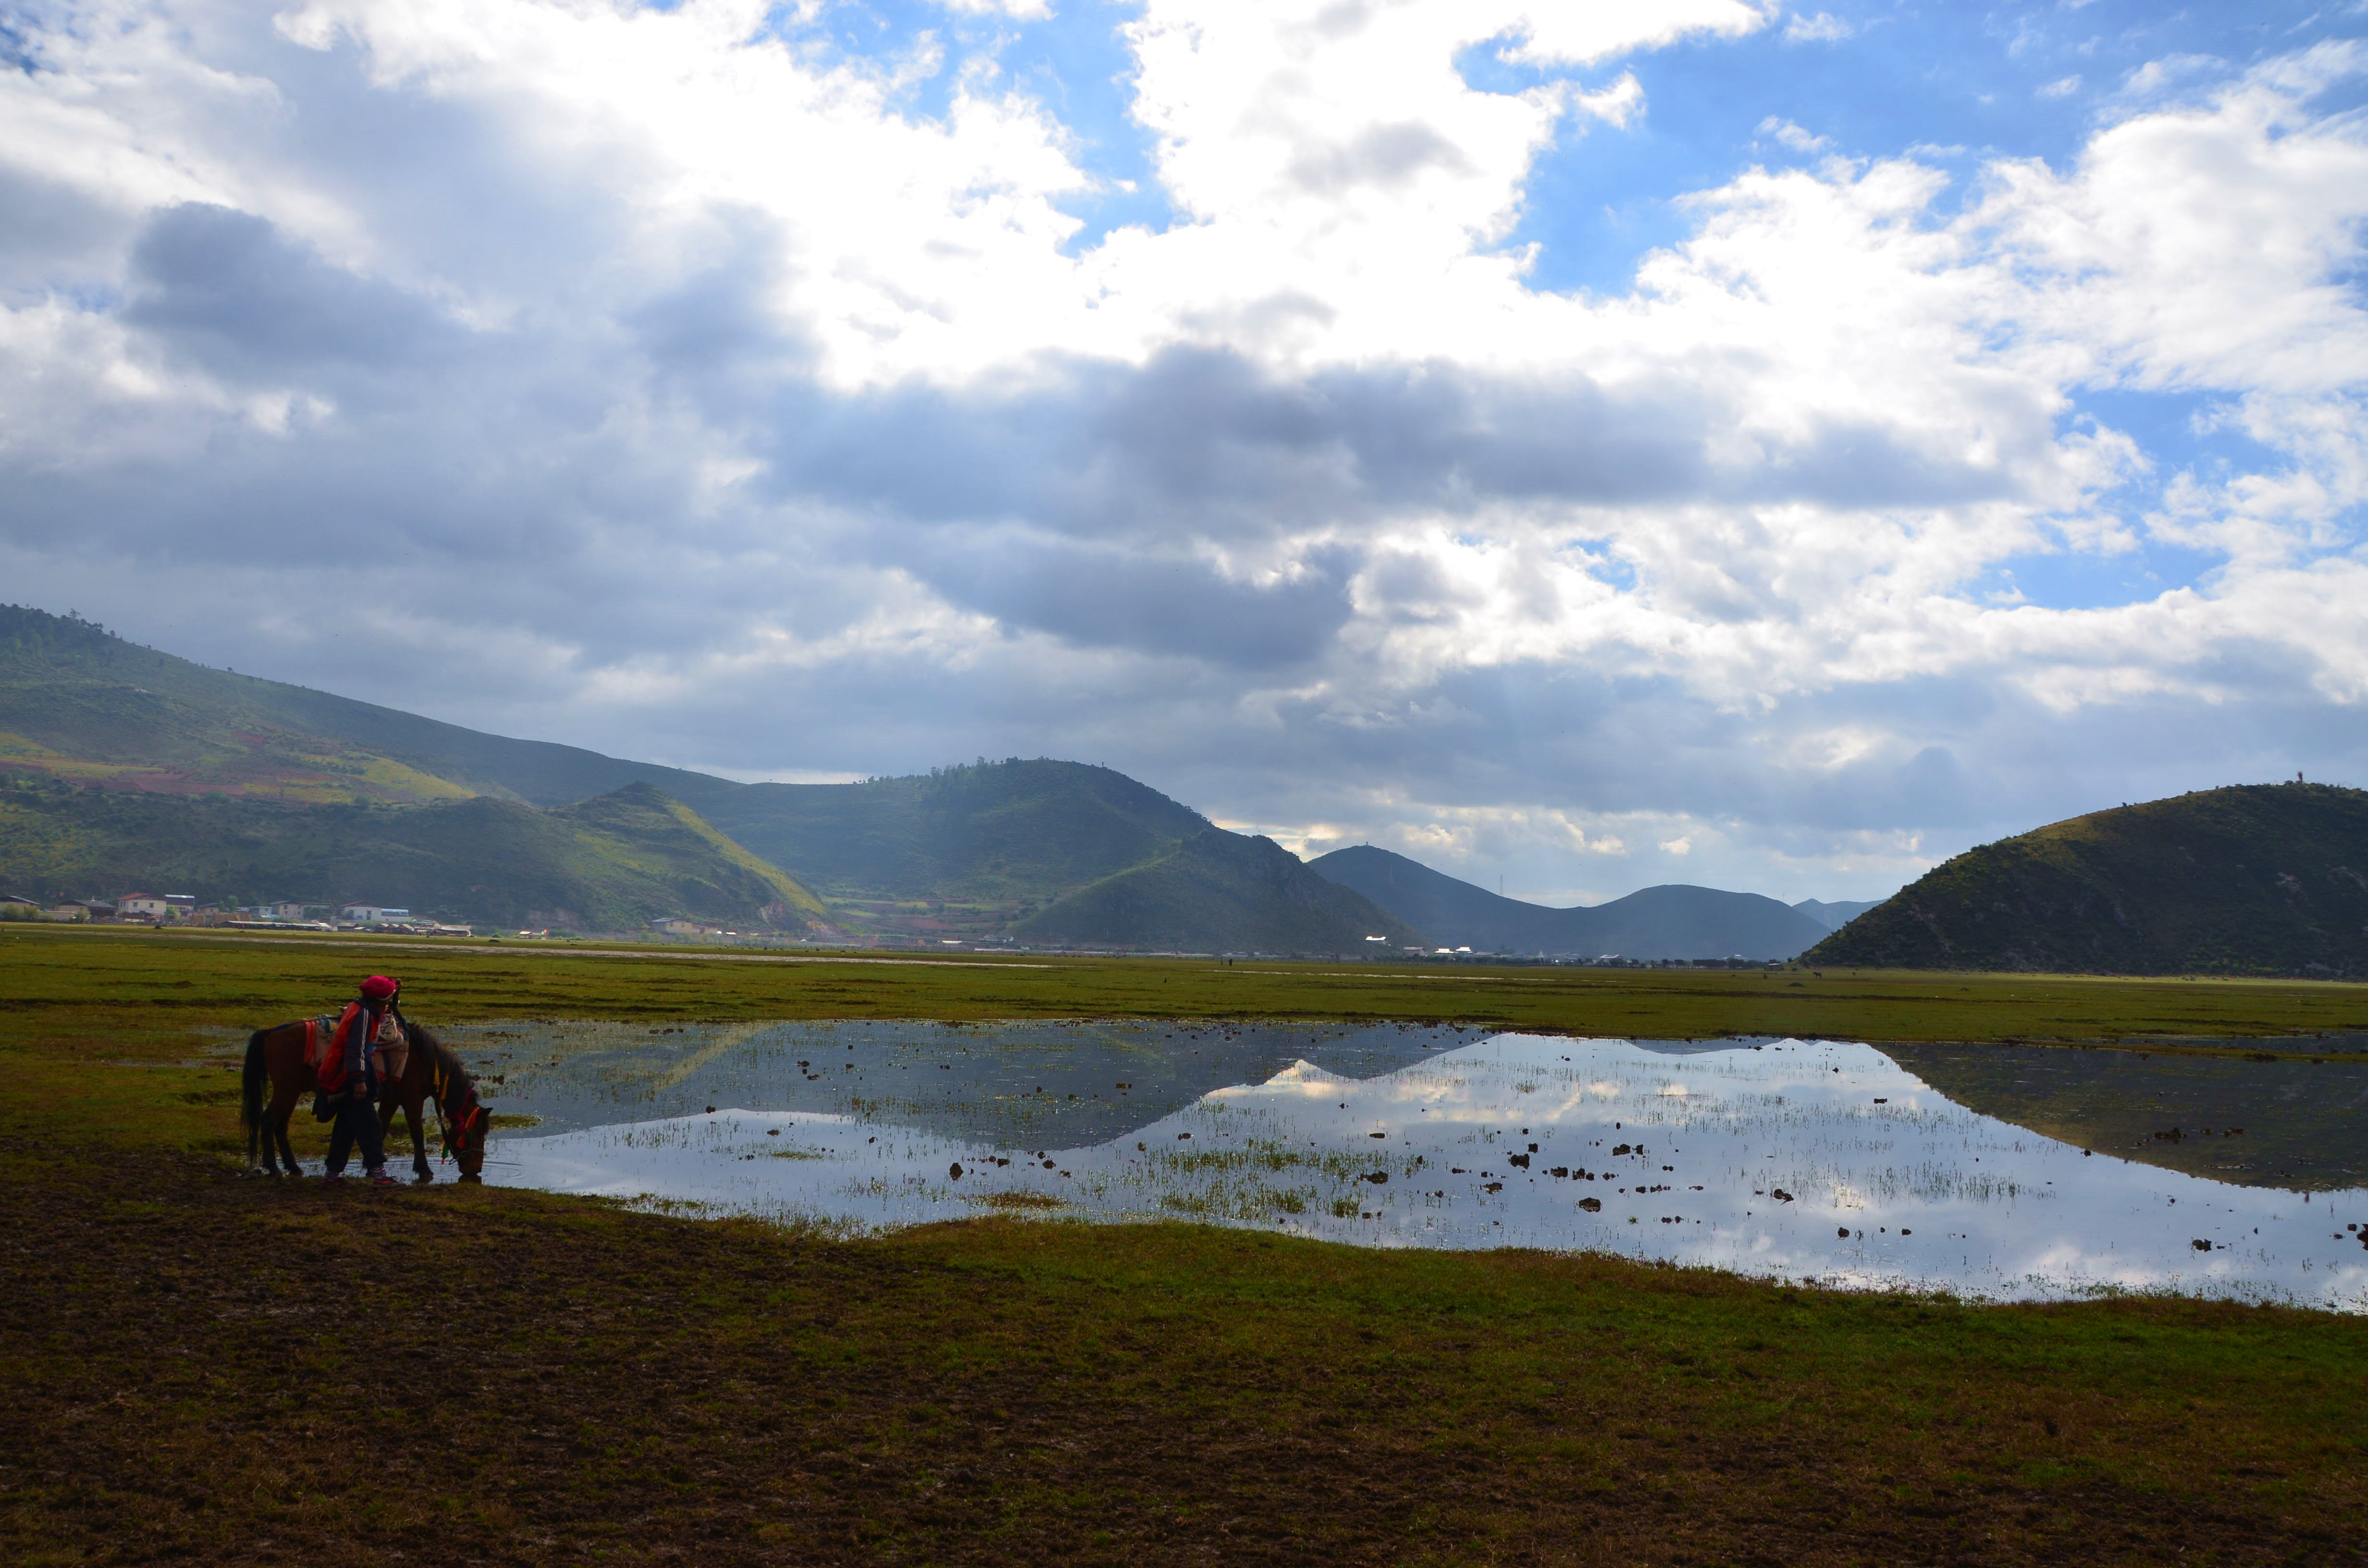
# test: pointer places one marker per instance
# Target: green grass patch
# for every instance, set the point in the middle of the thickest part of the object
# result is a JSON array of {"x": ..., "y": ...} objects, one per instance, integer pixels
[{"x": 186, "y": 1355}]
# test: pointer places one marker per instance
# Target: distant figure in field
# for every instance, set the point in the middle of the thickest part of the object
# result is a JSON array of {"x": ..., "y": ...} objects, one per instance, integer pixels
[{"x": 350, "y": 1073}]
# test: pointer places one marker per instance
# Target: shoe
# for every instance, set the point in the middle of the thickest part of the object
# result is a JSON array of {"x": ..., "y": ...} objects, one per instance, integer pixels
[
  {"x": 382, "y": 1180},
  {"x": 333, "y": 1181}
]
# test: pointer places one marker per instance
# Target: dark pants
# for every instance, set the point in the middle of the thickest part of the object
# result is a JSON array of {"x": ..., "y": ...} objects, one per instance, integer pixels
[{"x": 356, "y": 1122}]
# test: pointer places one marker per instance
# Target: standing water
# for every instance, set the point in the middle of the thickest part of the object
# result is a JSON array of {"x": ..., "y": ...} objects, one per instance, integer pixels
[{"x": 1815, "y": 1161}]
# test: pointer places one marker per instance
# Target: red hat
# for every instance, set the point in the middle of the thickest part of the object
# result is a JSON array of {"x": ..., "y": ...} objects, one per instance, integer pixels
[{"x": 378, "y": 987}]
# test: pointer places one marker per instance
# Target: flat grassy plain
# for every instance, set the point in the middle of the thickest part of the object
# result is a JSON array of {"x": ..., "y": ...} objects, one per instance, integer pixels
[{"x": 201, "y": 1365}]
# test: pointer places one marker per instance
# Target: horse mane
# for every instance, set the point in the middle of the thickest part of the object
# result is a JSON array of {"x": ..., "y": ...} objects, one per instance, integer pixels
[{"x": 452, "y": 1086}]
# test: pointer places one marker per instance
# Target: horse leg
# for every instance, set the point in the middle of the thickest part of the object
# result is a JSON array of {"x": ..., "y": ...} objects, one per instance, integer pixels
[
  {"x": 287, "y": 1149},
  {"x": 419, "y": 1165},
  {"x": 287, "y": 1092},
  {"x": 397, "y": 1100},
  {"x": 275, "y": 1130}
]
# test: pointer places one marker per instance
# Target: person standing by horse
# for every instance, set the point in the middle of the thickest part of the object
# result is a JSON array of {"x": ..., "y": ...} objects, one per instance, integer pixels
[{"x": 350, "y": 1073}]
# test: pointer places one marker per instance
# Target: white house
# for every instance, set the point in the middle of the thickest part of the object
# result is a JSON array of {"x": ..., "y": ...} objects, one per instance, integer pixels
[
  {"x": 370, "y": 913},
  {"x": 155, "y": 906}
]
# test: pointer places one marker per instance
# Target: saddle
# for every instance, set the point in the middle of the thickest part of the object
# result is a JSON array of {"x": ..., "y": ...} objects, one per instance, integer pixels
[{"x": 395, "y": 1046}]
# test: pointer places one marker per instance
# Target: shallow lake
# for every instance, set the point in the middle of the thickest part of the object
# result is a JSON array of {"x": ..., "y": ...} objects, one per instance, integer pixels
[{"x": 1810, "y": 1161}]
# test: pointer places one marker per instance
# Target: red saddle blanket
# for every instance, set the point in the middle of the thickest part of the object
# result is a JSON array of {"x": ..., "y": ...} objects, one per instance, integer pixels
[{"x": 321, "y": 1043}]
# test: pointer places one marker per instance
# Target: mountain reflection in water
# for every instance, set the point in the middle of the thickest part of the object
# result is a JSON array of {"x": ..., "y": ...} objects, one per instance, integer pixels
[{"x": 1811, "y": 1161}]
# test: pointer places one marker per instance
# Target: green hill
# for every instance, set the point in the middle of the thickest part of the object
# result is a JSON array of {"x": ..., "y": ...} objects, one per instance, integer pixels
[
  {"x": 611, "y": 863},
  {"x": 78, "y": 702},
  {"x": 997, "y": 831},
  {"x": 2269, "y": 879},
  {"x": 1220, "y": 891}
]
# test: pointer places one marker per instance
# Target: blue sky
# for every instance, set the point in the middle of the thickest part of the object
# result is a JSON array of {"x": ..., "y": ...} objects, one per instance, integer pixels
[
  {"x": 1592, "y": 444},
  {"x": 1954, "y": 85}
]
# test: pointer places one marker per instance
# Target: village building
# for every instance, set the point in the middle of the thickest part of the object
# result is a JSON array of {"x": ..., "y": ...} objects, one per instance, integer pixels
[
  {"x": 157, "y": 906},
  {"x": 370, "y": 914}
]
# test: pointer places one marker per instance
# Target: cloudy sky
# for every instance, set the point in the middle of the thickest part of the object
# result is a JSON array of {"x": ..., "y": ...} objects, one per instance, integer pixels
[{"x": 1591, "y": 444}]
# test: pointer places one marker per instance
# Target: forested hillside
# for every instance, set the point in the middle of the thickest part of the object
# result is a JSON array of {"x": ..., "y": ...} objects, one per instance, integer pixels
[
  {"x": 2261, "y": 879},
  {"x": 1220, "y": 890},
  {"x": 611, "y": 863}
]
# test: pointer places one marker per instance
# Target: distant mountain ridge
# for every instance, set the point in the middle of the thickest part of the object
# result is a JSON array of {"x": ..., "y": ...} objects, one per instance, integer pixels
[
  {"x": 1669, "y": 921},
  {"x": 223, "y": 781},
  {"x": 2257, "y": 878},
  {"x": 1013, "y": 831},
  {"x": 1219, "y": 892},
  {"x": 1834, "y": 916}
]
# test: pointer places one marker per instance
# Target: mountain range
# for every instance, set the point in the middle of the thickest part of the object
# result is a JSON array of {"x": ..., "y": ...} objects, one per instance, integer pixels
[
  {"x": 1670, "y": 921},
  {"x": 127, "y": 765}
]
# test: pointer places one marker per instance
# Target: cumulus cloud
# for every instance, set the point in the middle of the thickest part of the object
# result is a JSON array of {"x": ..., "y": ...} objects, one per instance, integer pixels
[{"x": 727, "y": 408}]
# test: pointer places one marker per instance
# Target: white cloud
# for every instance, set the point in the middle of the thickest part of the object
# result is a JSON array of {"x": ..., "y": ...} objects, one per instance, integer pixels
[
  {"x": 1017, "y": 10},
  {"x": 1820, "y": 28},
  {"x": 739, "y": 414},
  {"x": 2062, "y": 87},
  {"x": 1789, "y": 134}
]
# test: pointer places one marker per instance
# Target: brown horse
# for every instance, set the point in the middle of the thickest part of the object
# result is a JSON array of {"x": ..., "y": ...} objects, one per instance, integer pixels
[{"x": 430, "y": 1071}]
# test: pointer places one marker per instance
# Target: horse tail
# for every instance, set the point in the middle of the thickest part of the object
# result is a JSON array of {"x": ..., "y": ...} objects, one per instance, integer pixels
[{"x": 250, "y": 1099}]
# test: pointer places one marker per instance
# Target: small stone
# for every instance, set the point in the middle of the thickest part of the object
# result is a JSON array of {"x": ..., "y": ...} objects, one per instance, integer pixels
[
  {"x": 1843, "y": 1232},
  {"x": 954, "y": 1170}
]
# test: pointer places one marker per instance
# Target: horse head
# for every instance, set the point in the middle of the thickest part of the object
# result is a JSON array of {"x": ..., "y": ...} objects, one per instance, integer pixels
[{"x": 464, "y": 1135}]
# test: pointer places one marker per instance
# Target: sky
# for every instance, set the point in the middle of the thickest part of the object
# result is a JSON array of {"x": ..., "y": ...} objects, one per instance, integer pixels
[{"x": 1580, "y": 446}]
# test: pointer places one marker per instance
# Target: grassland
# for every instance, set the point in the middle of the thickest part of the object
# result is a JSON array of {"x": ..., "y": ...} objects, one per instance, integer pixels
[{"x": 201, "y": 1365}]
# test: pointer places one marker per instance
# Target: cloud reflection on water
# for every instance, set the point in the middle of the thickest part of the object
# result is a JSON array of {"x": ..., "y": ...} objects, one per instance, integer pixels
[{"x": 1787, "y": 1159}]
